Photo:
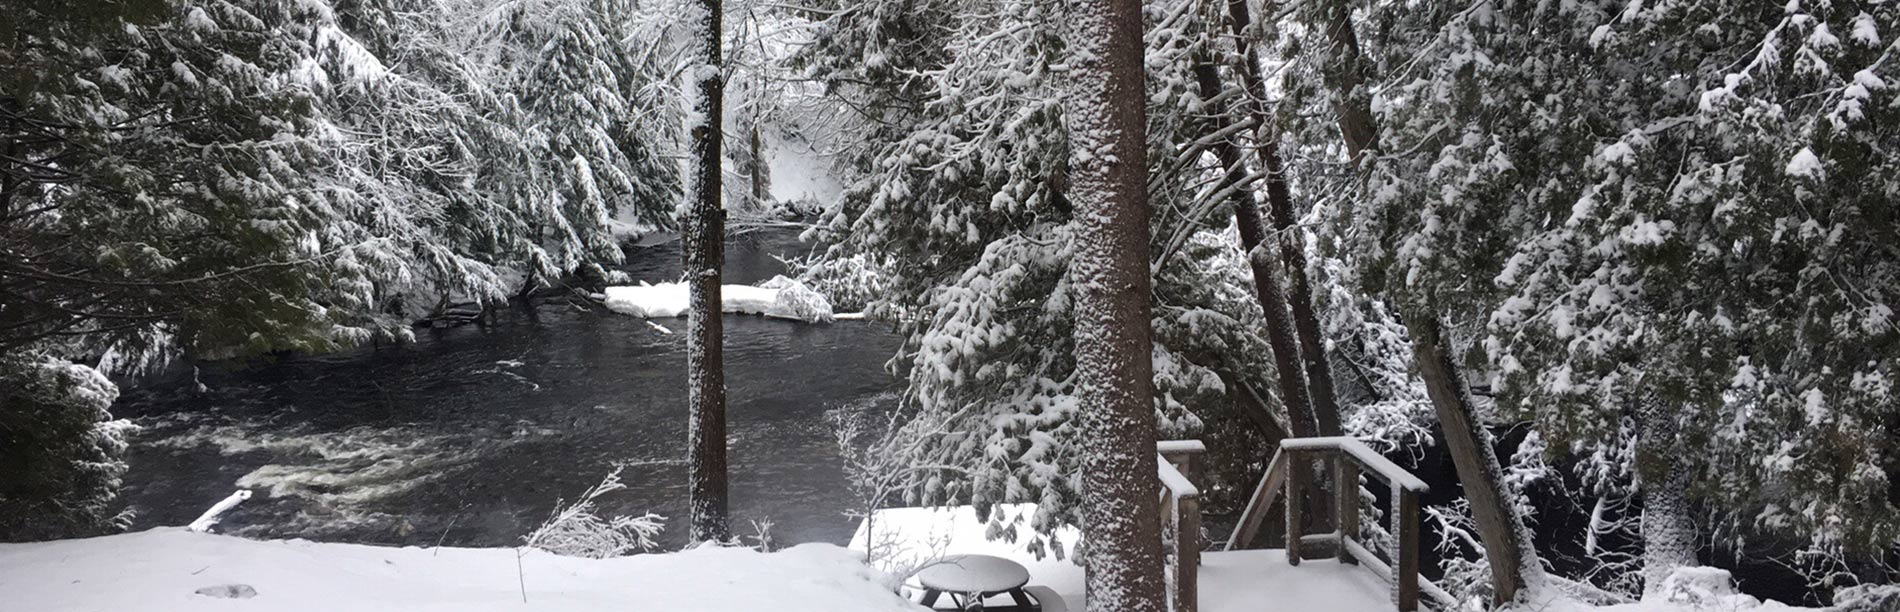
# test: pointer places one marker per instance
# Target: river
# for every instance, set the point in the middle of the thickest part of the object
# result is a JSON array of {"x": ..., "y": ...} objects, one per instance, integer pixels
[{"x": 470, "y": 435}]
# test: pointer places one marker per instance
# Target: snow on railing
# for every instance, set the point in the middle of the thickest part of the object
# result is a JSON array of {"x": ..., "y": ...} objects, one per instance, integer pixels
[
  {"x": 1180, "y": 519},
  {"x": 1288, "y": 476}
]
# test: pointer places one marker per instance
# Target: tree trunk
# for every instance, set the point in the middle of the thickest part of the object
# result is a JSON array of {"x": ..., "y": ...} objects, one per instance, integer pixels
[
  {"x": 1281, "y": 337},
  {"x": 1345, "y": 73},
  {"x": 1317, "y": 373},
  {"x": 1107, "y": 130},
  {"x": 1506, "y": 543},
  {"x": 703, "y": 236},
  {"x": 1669, "y": 534},
  {"x": 758, "y": 168}
]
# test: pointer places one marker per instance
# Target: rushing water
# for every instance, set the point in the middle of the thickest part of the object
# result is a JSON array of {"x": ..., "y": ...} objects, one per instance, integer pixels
[{"x": 471, "y": 434}]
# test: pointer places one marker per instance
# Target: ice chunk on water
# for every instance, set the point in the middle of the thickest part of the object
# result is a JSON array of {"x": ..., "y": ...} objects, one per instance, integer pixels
[{"x": 780, "y": 297}]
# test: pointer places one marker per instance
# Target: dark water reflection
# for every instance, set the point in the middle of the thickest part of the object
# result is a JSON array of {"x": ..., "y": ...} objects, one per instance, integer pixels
[{"x": 470, "y": 434}]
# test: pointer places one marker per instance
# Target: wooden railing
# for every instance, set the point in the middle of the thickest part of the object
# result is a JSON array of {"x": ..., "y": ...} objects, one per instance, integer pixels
[
  {"x": 1288, "y": 477},
  {"x": 1180, "y": 521}
]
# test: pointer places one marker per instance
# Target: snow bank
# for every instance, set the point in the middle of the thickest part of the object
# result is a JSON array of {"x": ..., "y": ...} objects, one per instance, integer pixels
[
  {"x": 164, "y": 570},
  {"x": 780, "y": 297},
  {"x": 1688, "y": 589}
]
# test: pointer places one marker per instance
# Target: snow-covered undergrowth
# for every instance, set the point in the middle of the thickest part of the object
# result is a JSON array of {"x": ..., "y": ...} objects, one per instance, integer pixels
[
  {"x": 577, "y": 530},
  {"x": 780, "y": 297},
  {"x": 163, "y": 570},
  {"x": 1690, "y": 589}
]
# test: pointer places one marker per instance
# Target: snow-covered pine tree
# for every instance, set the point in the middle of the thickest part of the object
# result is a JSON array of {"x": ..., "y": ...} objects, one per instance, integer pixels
[
  {"x": 961, "y": 198},
  {"x": 1424, "y": 307},
  {"x": 230, "y": 177},
  {"x": 1645, "y": 205},
  {"x": 61, "y": 449},
  {"x": 1714, "y": 275},
  {"x": 152, "y": 199}
]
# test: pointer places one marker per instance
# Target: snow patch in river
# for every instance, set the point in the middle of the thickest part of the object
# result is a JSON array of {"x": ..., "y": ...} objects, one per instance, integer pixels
[{"x": 780, "y": 297}]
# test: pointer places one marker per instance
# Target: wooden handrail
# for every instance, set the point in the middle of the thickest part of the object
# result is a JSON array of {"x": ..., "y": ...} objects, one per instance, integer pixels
[
  {"x": 1181, "y": 519},
  {"x": 1385, "y": 468},
  {"x": 1288, "y": 475}
]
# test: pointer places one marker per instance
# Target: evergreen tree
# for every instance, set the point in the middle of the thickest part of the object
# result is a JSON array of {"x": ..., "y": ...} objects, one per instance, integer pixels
[{"x": 1645, "y": 206}]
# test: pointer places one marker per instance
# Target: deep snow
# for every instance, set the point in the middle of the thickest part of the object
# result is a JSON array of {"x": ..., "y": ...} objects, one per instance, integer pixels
[{"x": 161, "y": 570}]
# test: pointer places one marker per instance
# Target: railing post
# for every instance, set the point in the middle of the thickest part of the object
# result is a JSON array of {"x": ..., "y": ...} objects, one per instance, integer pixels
[
  {"x": 1405, "y": 558},
  {"x": 1187, "y": 555},
  {"x": 1346, "y": 503},
  {"x": 1170, "y": 528},
  {"x": 1298, "y": 470}
]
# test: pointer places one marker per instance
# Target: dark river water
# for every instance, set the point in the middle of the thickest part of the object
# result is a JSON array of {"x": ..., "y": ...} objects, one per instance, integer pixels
[{"x": 471, "y": 434}]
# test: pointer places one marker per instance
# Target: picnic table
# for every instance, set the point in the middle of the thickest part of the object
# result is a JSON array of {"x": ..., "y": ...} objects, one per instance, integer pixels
[{"x": 976, "y": 577}]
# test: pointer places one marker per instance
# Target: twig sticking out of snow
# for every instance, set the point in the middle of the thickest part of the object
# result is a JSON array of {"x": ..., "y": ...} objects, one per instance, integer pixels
[{"x": 210, "y": 517}]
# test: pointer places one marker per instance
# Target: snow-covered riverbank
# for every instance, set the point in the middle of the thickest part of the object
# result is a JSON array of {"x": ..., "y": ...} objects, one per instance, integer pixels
[{"x": 168, "y": 569}]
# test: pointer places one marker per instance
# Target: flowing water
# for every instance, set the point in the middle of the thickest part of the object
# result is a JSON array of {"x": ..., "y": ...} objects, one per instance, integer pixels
[{"x": 471, "y": 434}]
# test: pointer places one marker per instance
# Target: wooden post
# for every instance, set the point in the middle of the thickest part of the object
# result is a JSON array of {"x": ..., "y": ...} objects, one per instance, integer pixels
[
  {"x": 1298, "y": 470},
  {"x": 1187, "y": 555},
  {"x": 1170, "y": 525},
  {"x": 1346, "y": 503},
  {"x": 1405, "y": 558}
]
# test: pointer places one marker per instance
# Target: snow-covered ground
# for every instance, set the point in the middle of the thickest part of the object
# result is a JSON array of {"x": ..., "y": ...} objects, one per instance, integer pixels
[{"x": 163, "y": 570}]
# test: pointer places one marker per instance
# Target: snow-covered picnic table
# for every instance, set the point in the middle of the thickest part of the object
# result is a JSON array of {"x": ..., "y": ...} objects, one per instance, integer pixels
[{"x": 979, "y": 576}]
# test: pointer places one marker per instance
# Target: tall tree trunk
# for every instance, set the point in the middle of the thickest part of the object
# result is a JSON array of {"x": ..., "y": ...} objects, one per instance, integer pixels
[
  {"x": 703, "y": 236},
  {"x": 1669, "y": 534},
  {"x": 1281, "y": 338},
  {"x": 1317, "y": 373},
  {"x": 1506, "y": 543},
  {"x": 1107, "y": 131}
]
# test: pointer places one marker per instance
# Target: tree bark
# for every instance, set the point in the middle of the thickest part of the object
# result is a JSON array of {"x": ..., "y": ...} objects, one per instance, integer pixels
[
  {"x": 703, "y": 237},
  {"x": 1506, "y": 542},
  {"x": 1669, "y": 535},
  {"x": 758, "y": 167},
  {"x": 1107, "y": 129},
  {"x": 1345, "y": 74}
]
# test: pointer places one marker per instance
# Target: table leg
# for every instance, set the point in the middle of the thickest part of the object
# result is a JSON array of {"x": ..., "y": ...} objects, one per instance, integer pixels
[
  {"x": 1022, "y": 601},
  {"x": 930, "y": 598}
]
